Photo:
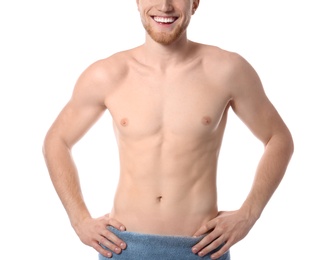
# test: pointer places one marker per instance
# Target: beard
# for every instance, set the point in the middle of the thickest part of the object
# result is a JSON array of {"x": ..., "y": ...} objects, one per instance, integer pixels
[{"x": 165, "y": 38}]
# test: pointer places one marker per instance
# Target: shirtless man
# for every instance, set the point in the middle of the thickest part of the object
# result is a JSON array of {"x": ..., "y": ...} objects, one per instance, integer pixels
[{"x": 169, "y": 99}]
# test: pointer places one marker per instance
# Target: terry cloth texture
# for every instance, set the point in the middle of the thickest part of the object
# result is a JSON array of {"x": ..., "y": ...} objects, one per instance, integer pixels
[{"x": 156, "y": 247}]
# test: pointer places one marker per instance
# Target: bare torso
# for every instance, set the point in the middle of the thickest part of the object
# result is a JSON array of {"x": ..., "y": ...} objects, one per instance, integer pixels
[
  {"x": 169, "y": 100},
  {"x": 169, "y": 126}
]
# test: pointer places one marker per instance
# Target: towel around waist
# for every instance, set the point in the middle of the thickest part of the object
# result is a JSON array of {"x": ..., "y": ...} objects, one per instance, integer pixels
[{"x": 150, "y": 246}]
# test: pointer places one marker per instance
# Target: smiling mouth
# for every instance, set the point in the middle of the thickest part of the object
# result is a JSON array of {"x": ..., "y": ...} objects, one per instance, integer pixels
[{"x": 164, "y": 20}]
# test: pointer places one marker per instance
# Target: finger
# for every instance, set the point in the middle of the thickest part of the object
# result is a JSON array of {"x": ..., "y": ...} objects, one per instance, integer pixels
[
  {"x": 116, "y": 224},
  {"x": 107, "y": 244},
  {"x": 101, "y": 250},
  {"x": 111, "y": 237},
  {"x": 205, "y": 228},
  {"x": 212, "y": 246},
  {"x": 225, "y": 248},
  {"x": 205, "y": 241}
]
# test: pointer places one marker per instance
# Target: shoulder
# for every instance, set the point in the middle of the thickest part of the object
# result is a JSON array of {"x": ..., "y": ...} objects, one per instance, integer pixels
[
  {"x": 235, "y": 71},
  {"x": 219, "y": 58},
  {"x": 225, "y": 67},
  {"x": 111, "y": 68},
  {"x": 101, "y": 78},
  {"x": 106, "y": 73}
]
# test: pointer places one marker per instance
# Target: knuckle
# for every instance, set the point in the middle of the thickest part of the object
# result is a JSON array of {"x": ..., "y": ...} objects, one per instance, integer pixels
[
  {"x": 220, "y": 228},
  {"x": 215, "y": 244},
  {"x": 209, "y": 239},
  {"x": 208, "y": 226},
  {"x": 109, "y": 236},
  {"x": 106, "y": 242},
  {"x": 205, "y": 241},
  {"x": 95, "y": 245}
]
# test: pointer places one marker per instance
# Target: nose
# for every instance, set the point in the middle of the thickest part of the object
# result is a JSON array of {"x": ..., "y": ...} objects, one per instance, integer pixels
[{"x": 165, "y": 6}]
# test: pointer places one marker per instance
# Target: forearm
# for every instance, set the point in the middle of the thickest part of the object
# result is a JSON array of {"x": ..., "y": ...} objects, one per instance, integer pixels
[
  {"x": 269, "y": 173},
  {"x": 65, "y": 178}
]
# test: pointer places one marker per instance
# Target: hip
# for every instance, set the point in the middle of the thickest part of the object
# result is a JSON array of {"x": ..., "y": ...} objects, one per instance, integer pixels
[{"x": 152, "y": 246}]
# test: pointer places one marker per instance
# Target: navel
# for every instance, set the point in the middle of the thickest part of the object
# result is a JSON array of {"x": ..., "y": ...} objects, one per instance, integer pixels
[
  {"x": 124, "y": 122},
  {"x": 206, "y": 120},
  {"x": 159, "y": 198}
]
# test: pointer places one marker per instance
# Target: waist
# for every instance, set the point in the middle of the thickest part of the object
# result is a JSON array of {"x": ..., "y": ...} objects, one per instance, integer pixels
[
  {"x": 147, "y": 246},
  {"x": 174, "y": 210}
]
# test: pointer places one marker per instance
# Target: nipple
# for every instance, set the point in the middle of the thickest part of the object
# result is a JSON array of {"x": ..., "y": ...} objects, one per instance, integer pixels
[
  {"x": 206, "y": 120},
  {"x": 124, "y": 122}
]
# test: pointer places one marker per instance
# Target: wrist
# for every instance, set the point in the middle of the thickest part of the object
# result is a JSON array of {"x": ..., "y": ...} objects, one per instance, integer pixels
[
  {"x": 78, "y": 220},
  {"x": 251, "y": 211}
]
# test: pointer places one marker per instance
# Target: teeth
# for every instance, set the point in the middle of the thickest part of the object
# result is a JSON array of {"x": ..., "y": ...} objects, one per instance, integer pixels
[{"x": 159, "y": 19}]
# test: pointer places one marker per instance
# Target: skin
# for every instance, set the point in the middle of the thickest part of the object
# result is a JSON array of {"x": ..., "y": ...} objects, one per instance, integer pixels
[{"x": 169, "y": 99}]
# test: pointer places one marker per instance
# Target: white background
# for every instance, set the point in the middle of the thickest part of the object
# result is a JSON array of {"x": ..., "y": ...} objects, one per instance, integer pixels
[{"x": 45, "y": 45}]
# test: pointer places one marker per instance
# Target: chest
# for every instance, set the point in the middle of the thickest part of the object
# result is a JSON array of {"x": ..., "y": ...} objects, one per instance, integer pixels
[{"x": 185, "y": 106}]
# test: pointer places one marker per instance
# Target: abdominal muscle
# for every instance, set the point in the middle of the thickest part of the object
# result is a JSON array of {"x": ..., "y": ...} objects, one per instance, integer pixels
[{"x": 164, "y": 189}]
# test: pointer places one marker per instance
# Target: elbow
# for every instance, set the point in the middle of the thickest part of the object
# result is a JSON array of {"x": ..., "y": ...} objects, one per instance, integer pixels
[
  {"x": 46, "y": 145},
  {"x": 54, "y": 143},
  {"x": 286, "y": 142},
  {"x": 290, "y": 145},
  {"x": 283, "y": 144},
  {"x": 51, "y": 143}
]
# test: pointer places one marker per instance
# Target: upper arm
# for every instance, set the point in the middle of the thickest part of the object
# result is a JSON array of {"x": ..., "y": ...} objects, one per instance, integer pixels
[
  {"x": 85, "y": 106},
  {"x": 250, "y": 102}
]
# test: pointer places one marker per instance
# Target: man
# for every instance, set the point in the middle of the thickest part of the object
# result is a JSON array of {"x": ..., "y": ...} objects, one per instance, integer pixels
[{"x": 169, "y": 99}]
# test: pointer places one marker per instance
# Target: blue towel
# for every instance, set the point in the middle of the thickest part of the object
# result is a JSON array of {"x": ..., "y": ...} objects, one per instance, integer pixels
[{"x": 155, "y": 247}]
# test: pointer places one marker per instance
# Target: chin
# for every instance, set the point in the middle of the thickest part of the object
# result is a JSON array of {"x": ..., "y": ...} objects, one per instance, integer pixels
[{"x": 165, "y": 38}]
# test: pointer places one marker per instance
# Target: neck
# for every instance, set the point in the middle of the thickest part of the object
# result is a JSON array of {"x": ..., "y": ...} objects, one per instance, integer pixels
[{"x": 162, "y": 56}]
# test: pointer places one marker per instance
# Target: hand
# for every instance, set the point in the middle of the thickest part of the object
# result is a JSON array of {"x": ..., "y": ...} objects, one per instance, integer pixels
[
  {"x": 94, "y": 233},
  {"x": 226, "y": 229}
]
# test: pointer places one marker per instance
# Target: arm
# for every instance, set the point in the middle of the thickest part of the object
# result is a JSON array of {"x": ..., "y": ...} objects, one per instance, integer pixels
[
  {"x": 80, "y": 113},
  {"x": 252, "y": 106}
]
